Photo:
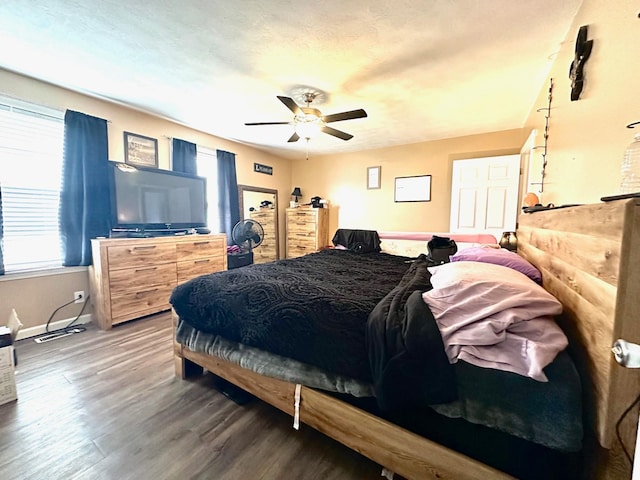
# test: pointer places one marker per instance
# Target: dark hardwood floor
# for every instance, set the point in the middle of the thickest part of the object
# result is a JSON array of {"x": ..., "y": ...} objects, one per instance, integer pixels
[{"x": 106, "y": 405}]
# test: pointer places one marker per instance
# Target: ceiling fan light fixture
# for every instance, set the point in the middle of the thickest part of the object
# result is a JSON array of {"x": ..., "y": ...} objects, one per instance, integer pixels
[
  {"x": 308, "y": 125},
  {"x": 308, "y": 121}
]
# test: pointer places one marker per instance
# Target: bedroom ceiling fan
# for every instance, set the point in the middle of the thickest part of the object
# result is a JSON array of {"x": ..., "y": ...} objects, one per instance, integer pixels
[{"x": 308, "y": 121}]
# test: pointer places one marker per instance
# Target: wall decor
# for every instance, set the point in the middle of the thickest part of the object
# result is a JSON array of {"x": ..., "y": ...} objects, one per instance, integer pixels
[
  {"x": 582, "y": 53},
  {"x": 258, "y": 167},
  {"x": 140, "y": 151},
  {"x": 413, "y": 189},
  {"x": 373, "y": 177}
]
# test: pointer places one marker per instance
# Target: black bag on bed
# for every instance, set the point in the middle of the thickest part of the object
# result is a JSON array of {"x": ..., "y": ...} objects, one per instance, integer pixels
[{"x": 440, "y": 249}]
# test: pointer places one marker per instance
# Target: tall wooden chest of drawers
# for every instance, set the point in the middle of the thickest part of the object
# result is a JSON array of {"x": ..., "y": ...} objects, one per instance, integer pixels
[
  {"x": 267, "y": 250},
  {"x": 307, "y": 230},
  {"x": 134, "y": 277}
]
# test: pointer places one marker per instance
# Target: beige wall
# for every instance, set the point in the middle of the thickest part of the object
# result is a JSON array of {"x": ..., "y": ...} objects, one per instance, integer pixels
[
  {"x": 341, "y": 179},
  {"x": 587, "y": 137},
  {"x": 35, "y": 298}
]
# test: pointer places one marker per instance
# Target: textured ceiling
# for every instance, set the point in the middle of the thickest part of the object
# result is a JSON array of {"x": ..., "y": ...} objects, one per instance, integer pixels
[{"x": 422, "y": 69}]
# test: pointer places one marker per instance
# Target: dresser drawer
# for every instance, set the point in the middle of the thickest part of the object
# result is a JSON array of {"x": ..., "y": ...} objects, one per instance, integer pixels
[
  {"x": 301, "y": 235},
  {"x": 200, "y": 248},
  {"x": 263, "y": 217},
  {"x": 269, "y": 230},
  {"x": 302, "y": 242},
  {"x": 128, "y": 256},
  {"x": 301, "y": 215},
  {"x": 268, "y": 247},
  {"x": 264, "y": 253},
  {"x": 194, "y": 268},
  {"x": 125, "y": 306},
  {"x": 299, "y": 250},
  {"x": 134, "y": 279}
]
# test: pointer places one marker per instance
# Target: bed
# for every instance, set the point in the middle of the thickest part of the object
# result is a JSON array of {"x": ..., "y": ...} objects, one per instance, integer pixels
[{"x": 585, "y": 268}]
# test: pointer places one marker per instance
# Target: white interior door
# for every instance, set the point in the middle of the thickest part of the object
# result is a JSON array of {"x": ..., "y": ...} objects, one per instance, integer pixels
[{"x": 484, "y": 195}]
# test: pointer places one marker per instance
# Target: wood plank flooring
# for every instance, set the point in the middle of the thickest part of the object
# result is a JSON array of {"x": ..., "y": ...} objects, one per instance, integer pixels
[{"x": 106, "y": 405}]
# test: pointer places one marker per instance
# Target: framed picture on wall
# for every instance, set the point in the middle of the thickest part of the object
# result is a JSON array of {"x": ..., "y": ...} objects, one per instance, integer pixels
[
  {"x": 413, "y": 189},
  {"x": 373, "y": 178},
  {"x": 140, "y": 150}
]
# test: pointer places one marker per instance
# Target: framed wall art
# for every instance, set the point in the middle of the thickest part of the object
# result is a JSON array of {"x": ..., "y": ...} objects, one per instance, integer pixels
[
  {"x": 373, "y": 177},
  {"x": 413, "y": 189},
  {"x": 140, "y": 151}
]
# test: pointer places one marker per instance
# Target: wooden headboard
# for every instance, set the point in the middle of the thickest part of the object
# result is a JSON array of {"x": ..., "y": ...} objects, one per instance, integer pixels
[{"x": 589, "y": 257}]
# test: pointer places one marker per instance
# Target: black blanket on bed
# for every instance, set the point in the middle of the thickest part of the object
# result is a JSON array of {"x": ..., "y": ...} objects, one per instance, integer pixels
[
  {"x": 406, "y": 353},
  {"x": 313, "y": 308}
]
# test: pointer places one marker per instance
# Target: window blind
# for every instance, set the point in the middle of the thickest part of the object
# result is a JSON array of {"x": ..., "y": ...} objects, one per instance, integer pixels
[{"x": 31, "y": 152}]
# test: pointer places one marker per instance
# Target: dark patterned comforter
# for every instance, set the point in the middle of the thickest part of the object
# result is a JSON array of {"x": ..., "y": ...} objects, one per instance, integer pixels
[{"x": 313, "y": 308}]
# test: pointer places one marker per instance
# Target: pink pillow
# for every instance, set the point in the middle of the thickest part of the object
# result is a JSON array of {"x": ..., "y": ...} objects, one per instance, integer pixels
[
  {"x": 495, "y": 317},
  {"x": 498, "y": 256}
]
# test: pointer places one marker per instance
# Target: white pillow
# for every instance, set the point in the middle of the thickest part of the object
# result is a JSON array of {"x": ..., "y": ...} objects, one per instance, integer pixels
[{"x": 494, "y": 316}]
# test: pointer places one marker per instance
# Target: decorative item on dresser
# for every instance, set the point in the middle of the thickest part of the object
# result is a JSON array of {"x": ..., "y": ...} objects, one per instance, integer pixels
[
  {"x": 307, "y": 230},
  {"x": 296, "y": 193},
  {"x": 267, "y": 250},
  {"x": 134, "y": 277}
]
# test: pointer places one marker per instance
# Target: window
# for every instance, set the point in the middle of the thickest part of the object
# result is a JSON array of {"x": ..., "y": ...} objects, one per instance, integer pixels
[
  {"x": 31, "y": 146},
  {"x": 207, "y": 166}
]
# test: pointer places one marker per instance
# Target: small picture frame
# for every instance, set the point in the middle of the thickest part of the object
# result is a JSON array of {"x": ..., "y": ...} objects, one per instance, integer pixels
[
  {"x": 413, "y": 189},
  {"x": 373, "y": 177},
  {"x": 140, "y": 151}
]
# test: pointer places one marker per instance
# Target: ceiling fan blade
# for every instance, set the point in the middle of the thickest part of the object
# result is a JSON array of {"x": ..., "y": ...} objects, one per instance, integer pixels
[
  {"x": 291, "y": 105},
  {"x": 294, "y": 137},
  {"x": 336, "y": 133},
  {"x": 336, "y": 117},
  {"x": 268, "y": 123}
]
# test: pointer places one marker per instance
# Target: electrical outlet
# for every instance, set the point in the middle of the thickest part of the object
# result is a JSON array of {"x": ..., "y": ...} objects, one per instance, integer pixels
[{"x": 79, "y": 296}]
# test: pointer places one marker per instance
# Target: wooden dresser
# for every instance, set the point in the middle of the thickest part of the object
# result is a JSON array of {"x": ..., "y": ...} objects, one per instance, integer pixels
[
  {"x": 307, "y": 230},
  {"x": 267, "y": 251},
  {"x": 134, "y": 277}
]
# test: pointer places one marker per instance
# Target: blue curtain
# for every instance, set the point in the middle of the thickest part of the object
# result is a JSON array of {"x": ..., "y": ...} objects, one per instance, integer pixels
[
  {"x": 228, "y": 203},
  {"x": 1, "y": 236},
  {"x": 84, "y": 196},
  {"x": 184, "y": 156}
]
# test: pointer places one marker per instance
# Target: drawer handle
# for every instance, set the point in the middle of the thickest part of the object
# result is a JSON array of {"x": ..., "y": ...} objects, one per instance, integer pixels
[
  {"x": 146, "y": 291},
  {"x": 144, "y": 247},
  {"x": 205, "y": 242},
  {"x": 145, "y": 269},
  {"x": 202, "y": 261}
]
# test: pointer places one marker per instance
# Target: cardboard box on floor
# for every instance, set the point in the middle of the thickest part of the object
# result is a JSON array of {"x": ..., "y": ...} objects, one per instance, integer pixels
[{"x": 8, "y": 390}]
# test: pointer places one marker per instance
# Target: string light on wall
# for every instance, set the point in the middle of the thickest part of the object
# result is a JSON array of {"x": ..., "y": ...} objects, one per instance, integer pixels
[{"x": 547, "y": 115}]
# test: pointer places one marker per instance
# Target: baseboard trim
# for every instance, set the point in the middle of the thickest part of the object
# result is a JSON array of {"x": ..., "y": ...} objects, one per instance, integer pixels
[{"x": 57, "y": 325}]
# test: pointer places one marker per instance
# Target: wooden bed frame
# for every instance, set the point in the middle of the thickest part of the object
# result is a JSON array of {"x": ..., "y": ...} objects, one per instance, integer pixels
[{"x": 588, "y": 256}]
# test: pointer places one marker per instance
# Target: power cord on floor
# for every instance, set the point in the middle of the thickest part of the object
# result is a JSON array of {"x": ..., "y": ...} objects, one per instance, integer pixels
[
  {"x": 46, "y": 328},
  {"x": 624, "y": 414},
  {"x": 67, "y": 330},
  {"x": 84, "y": 305}
]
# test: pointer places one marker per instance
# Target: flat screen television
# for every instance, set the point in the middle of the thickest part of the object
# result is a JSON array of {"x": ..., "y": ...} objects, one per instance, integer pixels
[{"x": 156, "y": 201}]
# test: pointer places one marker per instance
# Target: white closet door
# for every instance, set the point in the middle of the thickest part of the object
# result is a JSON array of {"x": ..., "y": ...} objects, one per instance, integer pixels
[{"x": 484, "y": 195}]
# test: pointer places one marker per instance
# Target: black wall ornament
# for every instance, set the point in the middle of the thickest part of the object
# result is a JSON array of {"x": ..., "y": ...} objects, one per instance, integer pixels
[{"x": 576, "y": 72}]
